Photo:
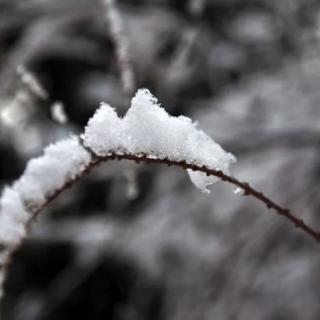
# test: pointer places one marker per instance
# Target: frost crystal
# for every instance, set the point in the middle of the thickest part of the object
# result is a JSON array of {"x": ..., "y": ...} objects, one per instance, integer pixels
[{"x": 148, "y": 129}]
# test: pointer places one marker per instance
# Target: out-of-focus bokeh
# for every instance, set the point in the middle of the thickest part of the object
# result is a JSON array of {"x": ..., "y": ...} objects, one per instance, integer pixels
[{"x": 133, "y": 242}]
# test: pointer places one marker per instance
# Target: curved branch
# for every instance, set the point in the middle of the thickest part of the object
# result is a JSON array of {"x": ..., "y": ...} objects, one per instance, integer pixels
[
  {"x": 245, "y": 186},
  {"x": 108, "y": 137},
  {"x": 145, "y": 158}
]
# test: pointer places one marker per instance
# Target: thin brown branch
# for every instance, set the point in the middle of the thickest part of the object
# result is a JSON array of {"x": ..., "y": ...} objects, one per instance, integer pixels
[
  {"x": 248, "y": 190},
  {"x": 96, "y": 160}
]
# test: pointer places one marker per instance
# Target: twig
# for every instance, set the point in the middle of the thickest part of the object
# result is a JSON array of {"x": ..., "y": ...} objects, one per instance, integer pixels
[
  {"x": 248, "y": 190},
  {"x": 115, "y": 28},
  {"x": 34, "y": 209}
]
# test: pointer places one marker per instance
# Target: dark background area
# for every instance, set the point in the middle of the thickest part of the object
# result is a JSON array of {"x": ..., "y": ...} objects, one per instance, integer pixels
[{"x": 249, "y": 72}]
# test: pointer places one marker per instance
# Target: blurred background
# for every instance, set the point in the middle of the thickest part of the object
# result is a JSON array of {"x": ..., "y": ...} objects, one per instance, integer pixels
[{"x": 135, "y": 242}]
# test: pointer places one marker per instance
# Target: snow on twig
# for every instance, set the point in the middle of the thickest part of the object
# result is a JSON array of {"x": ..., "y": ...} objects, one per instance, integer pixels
[{"x": 147, "y": 133}]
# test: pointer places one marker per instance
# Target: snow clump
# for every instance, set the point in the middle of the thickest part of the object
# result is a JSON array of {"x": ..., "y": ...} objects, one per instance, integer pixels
[{"x": 148, "y": 129}]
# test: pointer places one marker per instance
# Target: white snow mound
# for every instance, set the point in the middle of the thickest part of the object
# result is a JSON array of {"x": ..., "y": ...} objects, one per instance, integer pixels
[{"x": 148, "y": 129}]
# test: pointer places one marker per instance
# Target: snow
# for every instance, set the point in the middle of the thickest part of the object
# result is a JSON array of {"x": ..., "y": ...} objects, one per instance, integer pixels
[
  {"x": 60, "y": 162},
  {"x": 13, "y": 217},
  {"x": 239, "y": 191},
  {"x": 148, "y": 129},
  {"x": 58, "y": 113},
  {"x": 103, "y": 133}
]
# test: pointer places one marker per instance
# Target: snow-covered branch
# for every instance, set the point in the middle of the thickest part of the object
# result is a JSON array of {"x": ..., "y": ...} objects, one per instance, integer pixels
[{"x": 147, "y": 133}]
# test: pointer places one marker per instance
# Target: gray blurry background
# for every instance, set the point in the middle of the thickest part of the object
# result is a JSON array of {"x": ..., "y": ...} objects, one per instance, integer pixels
[{"x": 154, "y": 247}]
